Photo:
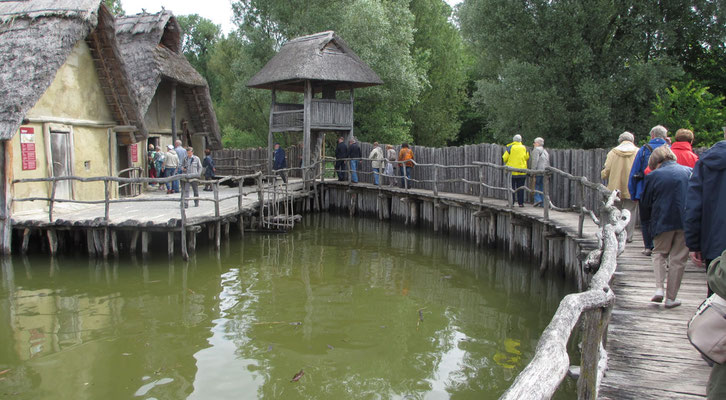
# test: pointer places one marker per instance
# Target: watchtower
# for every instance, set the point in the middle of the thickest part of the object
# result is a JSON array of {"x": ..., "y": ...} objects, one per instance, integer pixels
[{"x": 322, "y": 64}]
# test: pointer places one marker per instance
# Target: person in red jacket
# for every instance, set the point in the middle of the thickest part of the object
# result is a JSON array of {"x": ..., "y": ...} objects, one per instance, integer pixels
[{"x": 682, "y": 148}]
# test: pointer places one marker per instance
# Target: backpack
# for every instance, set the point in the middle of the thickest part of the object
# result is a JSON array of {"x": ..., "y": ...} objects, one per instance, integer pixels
[{"x": 643, "y": 164}]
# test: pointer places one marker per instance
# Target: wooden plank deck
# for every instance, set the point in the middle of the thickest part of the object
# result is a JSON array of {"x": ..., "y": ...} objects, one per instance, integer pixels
[
  {"x": 649, "y": 354},
  {"x": 152, "y": 213}
]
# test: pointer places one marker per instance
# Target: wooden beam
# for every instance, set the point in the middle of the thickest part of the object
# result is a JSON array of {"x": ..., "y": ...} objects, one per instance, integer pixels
[
  {"x": 173, "y": 113},
  {"x": 269, "y": 134},
  {"x": 306, "y": 124}
]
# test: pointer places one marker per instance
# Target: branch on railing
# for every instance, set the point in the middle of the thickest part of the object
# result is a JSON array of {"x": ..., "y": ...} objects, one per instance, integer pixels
[{"x": 543, "y": 375}]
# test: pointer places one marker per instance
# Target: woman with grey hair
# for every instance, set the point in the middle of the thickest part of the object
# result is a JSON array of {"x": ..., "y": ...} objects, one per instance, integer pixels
[
  {"x": 663, "y": 205},
  {"x": 540, "y": 160}
]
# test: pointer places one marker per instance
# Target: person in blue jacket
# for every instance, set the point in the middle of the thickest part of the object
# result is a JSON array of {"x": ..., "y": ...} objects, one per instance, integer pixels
[
  {"x": 636, "y": 181},
  {"x": 279, "y": 162},
  {"x": 705, "y": 217},
  {"x": 662, "y": 205}
]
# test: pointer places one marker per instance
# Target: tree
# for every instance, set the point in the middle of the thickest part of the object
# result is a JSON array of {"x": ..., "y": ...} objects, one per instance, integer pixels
[
  {"x": 691, "y": 106},
  {"x": 439, "y": 52},
  {"x": 115, "y": 7},
  {"x": 579, "y": 73},
  {"x": 200, "y": 36}
]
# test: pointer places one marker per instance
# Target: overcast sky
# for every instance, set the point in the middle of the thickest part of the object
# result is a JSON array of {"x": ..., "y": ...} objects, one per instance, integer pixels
[{"x": 218, "y": 11}]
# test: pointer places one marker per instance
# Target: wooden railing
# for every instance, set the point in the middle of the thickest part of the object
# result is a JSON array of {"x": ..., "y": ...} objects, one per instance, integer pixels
[{"x": 106, "y": 221}]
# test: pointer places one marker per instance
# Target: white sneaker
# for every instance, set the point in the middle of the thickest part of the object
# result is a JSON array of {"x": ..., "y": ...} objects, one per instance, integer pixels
[
  {"x": 658, "y": 296},
  {"x": 672, "y": 303}
]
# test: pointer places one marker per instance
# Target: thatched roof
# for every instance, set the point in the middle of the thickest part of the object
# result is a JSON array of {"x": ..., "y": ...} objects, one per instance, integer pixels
[
  {"x": 37, "y": 37},
  {"x": 319, "y": 57},
  {"x": 151, "y": 47}
]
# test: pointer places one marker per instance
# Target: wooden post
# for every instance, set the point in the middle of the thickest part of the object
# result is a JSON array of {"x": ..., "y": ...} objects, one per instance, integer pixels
[
  {"x": 511, "y": 190},
  {"x": 173, "y": 114},
  {"x": 546, "y": 196},
  {"x": 193, "y": 241},
  {"x": 26, "y": 240},
  {"x": 436, "y": 179},
  {"x": 183, "y": 212},
  {"x": 215, "y": 187},
  {"x": 260, "y": 199},
  {"x": 6, "y": 199},
  {"x": 134, "y": 241},
  {"x": 90, "y": 243},
  {"x": 269, "y": 133},
  {"x": 106, "y": 204},
  {"x": 307, "y": 105},
  {"x": 217, "y": 235},
  {"x": 481, "y": 184},
  {"x": 581, "y": 193},
  {"x": 52, "y": 200},
  {"x": 594, "y": 326},
  {"x": 242, "y": 225},
  {"x": 52, "y": 242},
  {"x": 170, "y": 243},
  {"x": 106, "y": 240},
  {"x": 241, "y": 194},
  {"x": 145, "y": 239},
  {"x": 114, "y": 243}
]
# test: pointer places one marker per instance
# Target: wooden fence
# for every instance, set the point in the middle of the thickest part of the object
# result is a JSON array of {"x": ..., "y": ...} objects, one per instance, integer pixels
[{"x": 564, "y": 192}]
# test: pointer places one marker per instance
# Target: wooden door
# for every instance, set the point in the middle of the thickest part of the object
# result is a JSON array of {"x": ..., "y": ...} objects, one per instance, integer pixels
[{"x": 60, "y": 151}]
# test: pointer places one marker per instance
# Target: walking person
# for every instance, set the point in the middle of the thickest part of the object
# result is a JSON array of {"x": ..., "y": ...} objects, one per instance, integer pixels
[
  {"x": 683, "y": 148},
  {"x": 153, "y": 173},
  {"x": 279, "y": 162},
  {"x": 354, "y": 154},
  {"x": 192, "y": 166},
  {"x": 209, "y": 169},
  {"x": 662, "y": 205},
  {"x": 516, "y": 156},
  {"x": 390, "y": 162},
  {"x": 377, "y": 164},
  {"x": 171, "y": 164},
  {"x": 159, "y": 158},
  {"x": 658, "y": 136},
  {"x": 341, "y": 153},
  {"x": 540, "y": 162},
  {"x": 405, "y": 157},
  {"x": 181, "y": 152},
  {"x": 616, "y": 171},
  {"x": 705, "y": 211}
]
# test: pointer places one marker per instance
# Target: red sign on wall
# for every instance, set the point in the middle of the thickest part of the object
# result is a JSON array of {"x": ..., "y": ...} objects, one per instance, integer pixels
[
  {"x": 27, "y": 148},
  {"x": 134, "y": 153}
]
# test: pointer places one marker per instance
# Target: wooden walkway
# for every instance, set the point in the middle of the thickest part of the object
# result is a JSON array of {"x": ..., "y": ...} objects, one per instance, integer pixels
[{"x": 650, "y": 356}]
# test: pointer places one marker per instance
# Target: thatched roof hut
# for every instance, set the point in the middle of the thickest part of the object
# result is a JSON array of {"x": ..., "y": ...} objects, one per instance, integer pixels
[
  {"x": 319, "y": 57},
  {"x": 37, "y": 37},
  {"x": 151, "y": 47}
]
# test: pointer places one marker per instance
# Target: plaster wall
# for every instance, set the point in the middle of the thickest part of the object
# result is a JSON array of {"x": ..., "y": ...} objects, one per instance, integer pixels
[{"x": 74, "y": 94}]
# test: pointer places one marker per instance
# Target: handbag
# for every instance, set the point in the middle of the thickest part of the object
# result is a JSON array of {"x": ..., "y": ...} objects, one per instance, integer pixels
[{"x": 707, "y": 330}]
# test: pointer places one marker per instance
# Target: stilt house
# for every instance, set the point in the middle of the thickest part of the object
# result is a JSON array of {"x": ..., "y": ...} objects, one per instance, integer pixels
[
  {"x": 67, "y": 104},
  {"x": 173, "y": 97},
  {"x": 318, "y": 66}
]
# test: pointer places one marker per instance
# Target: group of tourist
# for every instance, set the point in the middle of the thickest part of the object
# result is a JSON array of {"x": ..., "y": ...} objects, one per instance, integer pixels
[
  {"x": 178, "y": 160},
  {"x": 516, "y": 156},
  {"x": 382, "y": 164}
]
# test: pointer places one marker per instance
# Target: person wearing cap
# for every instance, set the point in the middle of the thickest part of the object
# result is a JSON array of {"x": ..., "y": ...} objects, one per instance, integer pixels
[
  {"x": 171, "y": 164},
  {"x": 279, "y": 162},
  {"x": 616, "y": 171},
  {"x": 516, "y": 156}
]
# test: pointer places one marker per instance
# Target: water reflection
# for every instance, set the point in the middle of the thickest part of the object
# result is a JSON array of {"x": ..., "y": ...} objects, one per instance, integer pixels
[{"x": 366, "y": 309}]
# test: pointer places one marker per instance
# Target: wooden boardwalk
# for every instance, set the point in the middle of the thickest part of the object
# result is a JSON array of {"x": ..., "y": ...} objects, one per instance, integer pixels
[{"x": 650, "y": 356}]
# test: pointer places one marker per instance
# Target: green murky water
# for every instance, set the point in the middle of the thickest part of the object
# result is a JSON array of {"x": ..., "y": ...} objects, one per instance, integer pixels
[{"x": 366, "y": 309}]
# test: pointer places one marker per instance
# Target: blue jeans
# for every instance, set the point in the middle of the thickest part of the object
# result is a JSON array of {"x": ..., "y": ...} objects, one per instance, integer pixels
[
  {"x": 353, "y": 171},
  {"x": 538, "y": 186},
  {"x": 405, "y": 175},
  {"x": 376, "y": 179},
  {"x": 171, "y": 185}
]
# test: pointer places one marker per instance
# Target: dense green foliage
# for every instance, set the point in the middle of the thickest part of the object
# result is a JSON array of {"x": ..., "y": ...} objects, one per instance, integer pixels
[
  {"x": 576, "y": 73},
  {"x": 692, "y": 107},
  {"x": 115, "y": 7}
]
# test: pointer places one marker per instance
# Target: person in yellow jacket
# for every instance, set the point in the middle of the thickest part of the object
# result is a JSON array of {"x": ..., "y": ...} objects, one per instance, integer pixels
[{"x": 516, "y": 156}]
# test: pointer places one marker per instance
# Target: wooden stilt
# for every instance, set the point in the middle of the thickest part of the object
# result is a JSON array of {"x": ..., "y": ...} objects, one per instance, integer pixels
[
  {"x": 98, "y": 241},
  {"x": 90, "y": 242},
  {"x": 145, "y": 240},
  {"x": 134, "y": 241},
  {"x": 26, "y": 240},
  {"x": 210, "y": 231},
  {"x": 192, "y": 241},
  {"x": 226, "y": 230},
  {"x": 217, "y": 235},
  {"x": 241, "y": 221},
  {"x": 52, "y": 241},
  {"x": 114, "y": 243},
  {"x": 170, "y": 243},
  {"x": 106, "y": 240}
]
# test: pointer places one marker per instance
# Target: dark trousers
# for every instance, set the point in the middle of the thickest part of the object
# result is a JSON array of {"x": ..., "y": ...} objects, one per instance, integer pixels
[
  {"x": 647, "y": 238},
  {"x": 283, "y": 175},
  {"x": 517, "y": 182},
  {"x": 340, "y": 169}
]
